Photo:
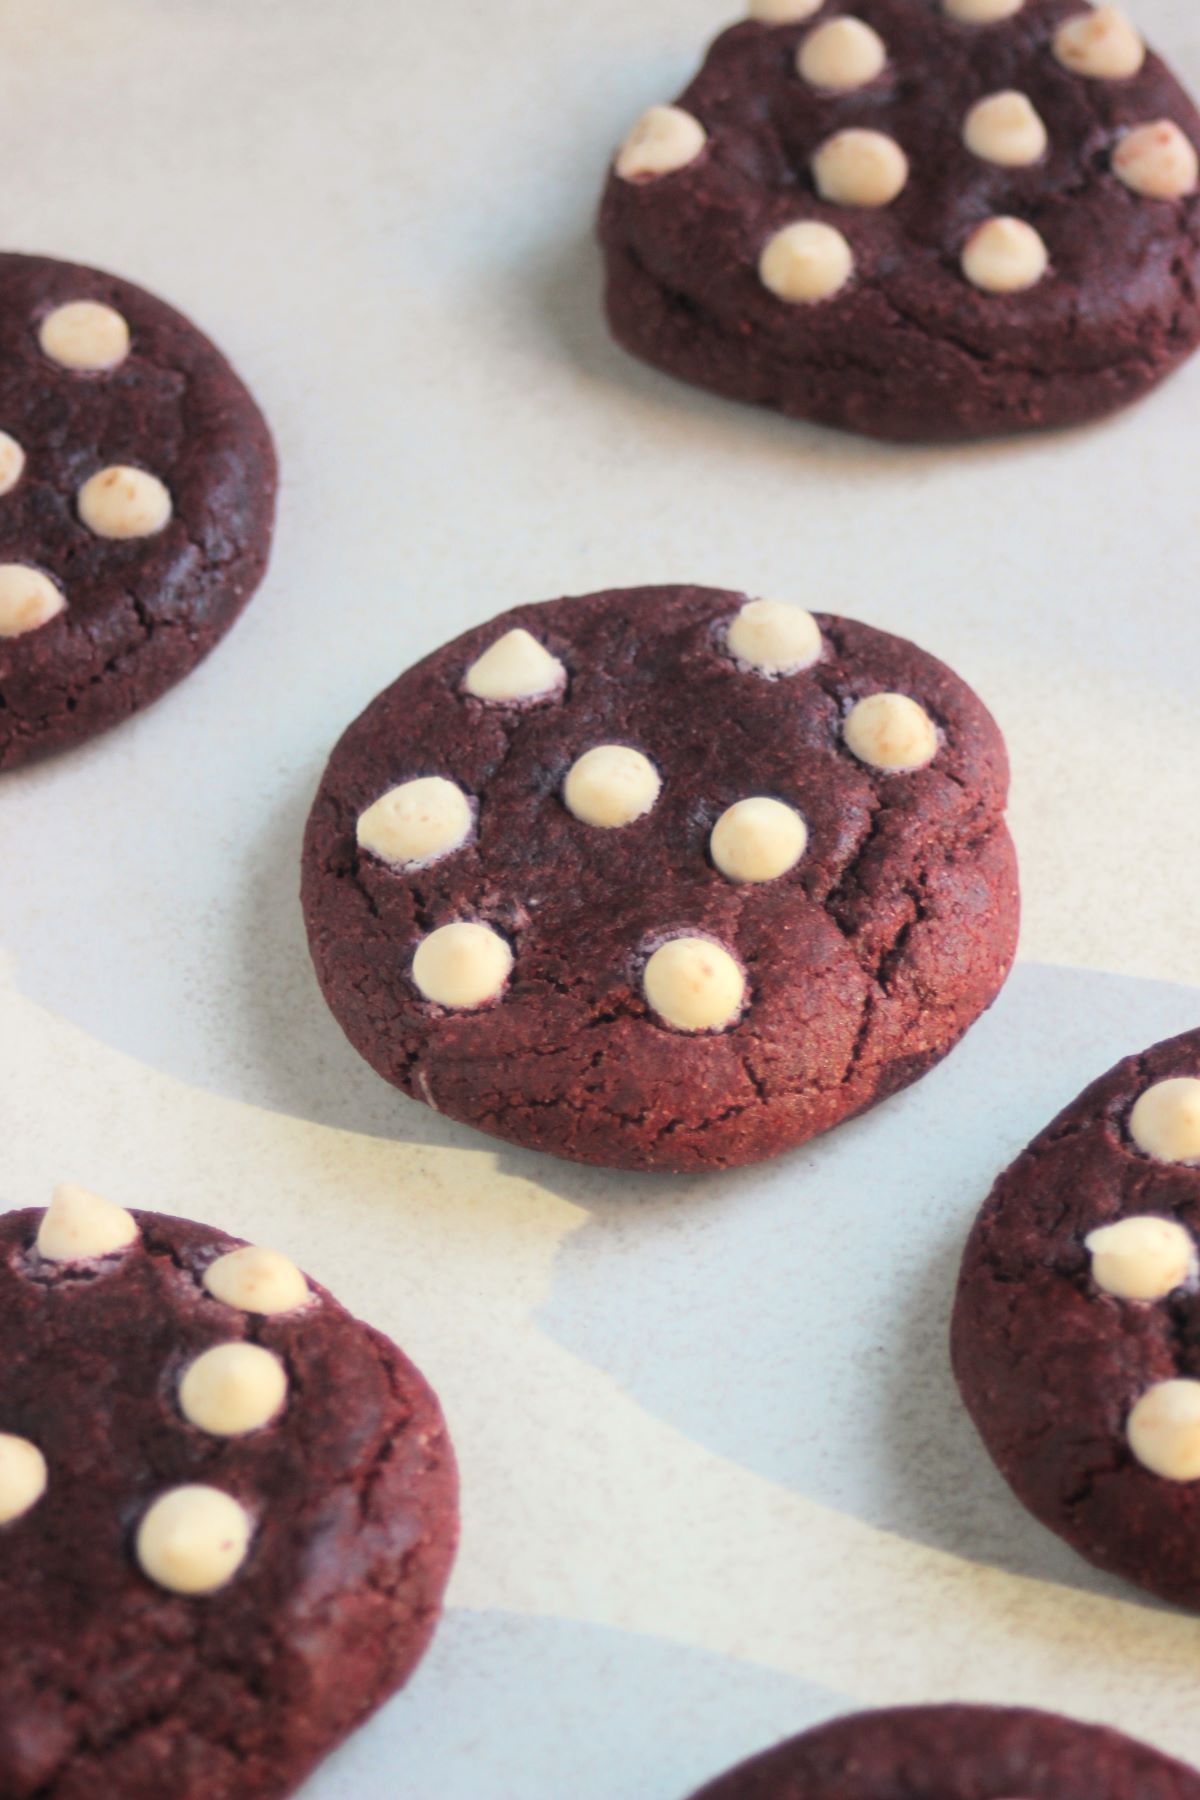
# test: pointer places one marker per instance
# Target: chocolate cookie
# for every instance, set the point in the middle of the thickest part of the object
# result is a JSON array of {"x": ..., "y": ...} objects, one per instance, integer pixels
[
  {"x": 958, "y": 1753},
  {"x": 227, "y": 1512},
  {"x": 926, "y": 221},
  {"x": 137, "y": 496},
  {"x": 662, "y": 878},
  {"x": 1076, "y": 1336}
]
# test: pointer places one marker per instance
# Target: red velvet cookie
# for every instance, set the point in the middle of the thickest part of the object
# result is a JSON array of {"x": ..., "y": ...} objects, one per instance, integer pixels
[
  {"x": 958, "y": 1753},
  {"x": 919, "y": 219},
  {"x": 662, "y": 878},
  {"x": 137, "y": 498},
  {"x": 1076, "y": 1336},
  {"x": 227, "y": 1512}
]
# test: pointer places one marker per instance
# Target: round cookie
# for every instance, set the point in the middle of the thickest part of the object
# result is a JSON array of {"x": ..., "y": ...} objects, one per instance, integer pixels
[
  {"x": 921, "y": 222},
  {"x": 137, "y": 498},
  {"x": 611, "y": 987},
  {"x": 958, "y": 1753},
  {"x": 231, "y": 1512},
  {"x": 1076, "y": 1334}
]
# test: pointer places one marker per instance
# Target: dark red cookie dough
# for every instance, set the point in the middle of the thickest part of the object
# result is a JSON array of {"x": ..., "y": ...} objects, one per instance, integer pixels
[
  {"x": 865, "y": 963},
  {"x": 1051, "y": 1366},
  {"x": 140, "y": 612},
  {"x": 110, "y": 1685},
  {"x": 909, "y": 349},
  {"x": 958, "y": 1753}
]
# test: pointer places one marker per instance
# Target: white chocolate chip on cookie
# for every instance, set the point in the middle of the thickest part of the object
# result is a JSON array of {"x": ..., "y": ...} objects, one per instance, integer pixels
[
  {"x": 774, "y": 637},
  {"x": 462, "y": 965},
  {"x": 611, "y": 785},
  {"x": 891, "y": 732},
  {"x": 193, "y": 1540},
  {"x": 124, "y": 502},
  {"x": 758, "y": 839},
  {"x": 1141, "y": 1258},
  {"x": 416, "y": 823},
  {"x": 12, "y": 462},
  {"x": 1165, "y": 1121},
  {"x": 694, "y": 985},
  {"x": 515, "y": 667},
  {"x": 255, "y": 1280},
  {"x": 1005, "y": 129},
  {"x": 860, "y": 168},
  {"x": 981, "y": 12},
  {"x": 85, "y": 335},
  {"x": 665, "y": 139},
  {"x": 1004, "y": 256},
  {"x": 78, "y": 1225},
  {"x": 841, "y": 55},
  {"x": 1164, "y": 1430},
  {"x": 806, "y": 262},
  {"x": 1157, "y": 160},
  {"x": 232, "y": 1389},
  {"x": 28, "y": 599},
  {"x": 1101, "y": 44},
  {"x": 23, "y": 1477}
]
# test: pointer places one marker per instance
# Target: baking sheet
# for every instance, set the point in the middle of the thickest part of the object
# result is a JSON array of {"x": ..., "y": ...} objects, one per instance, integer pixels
[{"x": 716, "y": 1481}]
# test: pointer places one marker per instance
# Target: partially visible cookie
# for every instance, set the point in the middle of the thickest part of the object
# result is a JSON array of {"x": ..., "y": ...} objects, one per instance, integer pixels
[
  {"x": 932, "y": 221},
  {"x": 227, "y": 1512},
  {"x": 1076, "y": 1335},
  {"x": 662, "y": 878},
  {"x": 958, "y": 1753},
  {"x": 137, "y": 499}
]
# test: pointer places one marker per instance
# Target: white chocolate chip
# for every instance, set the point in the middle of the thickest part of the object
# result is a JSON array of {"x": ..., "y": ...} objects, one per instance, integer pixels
[
  {"x": 416, "y": 823},
  {"x": 85, "y": 335},
  {"x": 981, "y": 12},
  {"x": 782, "y": 12},
  {"x": 611, "y": 786},
  {"x": 123, "y": 502},
  {"x": 1004, "y": 256},
  {"x": 27, "y": 599},
  {"x": 860, "y": 168},
  {"x": 1157, "y": 160},
  {"x": 774, "y": 637},
  {"x": 1102, "y": 44},
  {"x": 694, "y": 984},
  {"x": 1005, "y": 129},
  {"x": 758, "y": 840},
  {"x": 12, "y": 462},
  {"x": 806, "y": 262},
  {"x": 22, "y": 1477},
  {"x": 1141, "y": 1258},
  {"x": 1164, "y": 1430},
  {"x": 665, "y": 138},
  {"x": 841, "y": 54},
  {"x": 1165, "y": 1121},
  {"x": 515, "y": 667},
  {"x": 890, "y": 731},
  {"x": 257, "y": 1281},
  {"x": 232, "y": 1389},
  {"x": 462, "y": 965},
  {"x": 78, "y": 1225},
  {"x": 193, "y": 1539}
]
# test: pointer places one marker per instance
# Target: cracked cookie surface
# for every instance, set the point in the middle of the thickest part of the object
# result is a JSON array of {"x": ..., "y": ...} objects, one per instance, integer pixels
[
  {"x": 861, "y": 964},
  {"x": 958, "y": 1753},
  {"x": 112, "y": 1685},
  {"x": 905, "y": 346},
  {"x": 138, "y": 611},
  {"x": 1060, "y": 1335}
]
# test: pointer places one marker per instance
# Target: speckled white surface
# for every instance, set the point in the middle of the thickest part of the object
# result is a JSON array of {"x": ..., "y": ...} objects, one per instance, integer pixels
[{"x": 683, "y": 1536}]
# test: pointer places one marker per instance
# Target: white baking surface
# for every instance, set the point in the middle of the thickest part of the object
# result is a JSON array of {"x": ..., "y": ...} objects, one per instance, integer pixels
[{"x": 716, "y": 1481}]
